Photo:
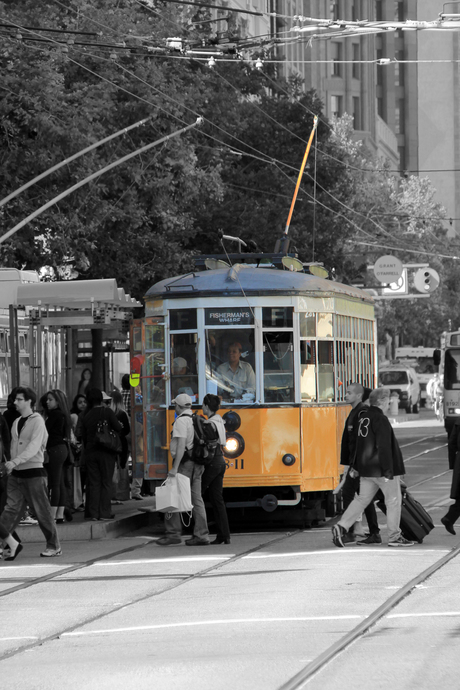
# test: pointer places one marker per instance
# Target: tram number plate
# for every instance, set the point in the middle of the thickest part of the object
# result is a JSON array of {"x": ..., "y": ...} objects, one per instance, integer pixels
[{"x": 237, "y": 464}]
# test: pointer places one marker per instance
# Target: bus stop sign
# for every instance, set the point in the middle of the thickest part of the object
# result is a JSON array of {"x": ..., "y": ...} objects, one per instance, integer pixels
[{"x": 388, "y": 269}]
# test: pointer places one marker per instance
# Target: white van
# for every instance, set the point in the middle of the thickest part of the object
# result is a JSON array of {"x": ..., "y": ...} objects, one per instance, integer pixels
[{"x": 404, "y": 381}]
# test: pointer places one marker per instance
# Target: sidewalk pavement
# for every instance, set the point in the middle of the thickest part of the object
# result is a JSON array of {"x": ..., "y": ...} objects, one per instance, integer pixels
[{"x": 129, "y": 516}]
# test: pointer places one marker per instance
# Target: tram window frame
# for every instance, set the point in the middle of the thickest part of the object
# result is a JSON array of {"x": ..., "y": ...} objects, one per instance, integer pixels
[
  {"x": 282, "y": 388},
  {"x": 278, "y": 317},
  {"x": 232, "y": 333},
  {"x": 189, "y": 317},
  {"x": 153, "y": 387},
  {"x": 190, "y": 377},
  {"x": 305, "y": 373}
]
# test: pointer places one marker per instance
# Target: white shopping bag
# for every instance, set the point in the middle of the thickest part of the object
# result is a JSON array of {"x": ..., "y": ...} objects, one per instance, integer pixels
[{"x": 174, "y": 495}]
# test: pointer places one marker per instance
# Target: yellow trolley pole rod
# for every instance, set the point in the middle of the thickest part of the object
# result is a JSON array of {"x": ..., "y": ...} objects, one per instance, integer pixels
[{"x": 304, "y": 162}]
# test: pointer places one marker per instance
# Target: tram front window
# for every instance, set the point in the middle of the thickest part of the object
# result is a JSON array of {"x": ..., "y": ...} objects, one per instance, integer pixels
[
  {"x": 230, "y": 364},
  {"x": 278, "y": 367},
  {"x": 451, "y": 370}
]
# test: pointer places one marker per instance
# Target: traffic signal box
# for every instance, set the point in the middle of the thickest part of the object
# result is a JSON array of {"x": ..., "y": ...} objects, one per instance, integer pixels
[{"x": 426, "y": 280}]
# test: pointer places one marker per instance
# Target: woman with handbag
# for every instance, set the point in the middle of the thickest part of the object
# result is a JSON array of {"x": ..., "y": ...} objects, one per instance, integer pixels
[
  {"x": 58, "y": 426},
  {"x": 100, "y": 431}
]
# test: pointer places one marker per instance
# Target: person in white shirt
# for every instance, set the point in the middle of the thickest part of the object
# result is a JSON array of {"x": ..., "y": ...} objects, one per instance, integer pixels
[
  {"x": 236, "y": 375},
  {"x": 181, "y": 450}
]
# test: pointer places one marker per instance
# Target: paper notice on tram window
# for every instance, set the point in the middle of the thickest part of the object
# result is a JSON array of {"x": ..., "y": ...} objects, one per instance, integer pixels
[{"x": 174, "y": 495}]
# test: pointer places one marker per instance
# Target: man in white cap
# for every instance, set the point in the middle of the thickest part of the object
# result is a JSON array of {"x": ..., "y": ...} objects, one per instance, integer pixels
[{"x": 182, "y": 441}]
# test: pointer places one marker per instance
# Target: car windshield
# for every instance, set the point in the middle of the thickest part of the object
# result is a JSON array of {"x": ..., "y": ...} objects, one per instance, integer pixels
[{"x": 392, "y": 378}]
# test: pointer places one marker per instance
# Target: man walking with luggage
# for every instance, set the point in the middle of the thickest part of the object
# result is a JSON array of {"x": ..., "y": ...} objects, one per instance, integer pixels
[
  {"x": 182, "y": 438},
  {"x": 350, "y": 481},
  {"x": 379, "y": 463},
  {"x": 27, "y": 484}
]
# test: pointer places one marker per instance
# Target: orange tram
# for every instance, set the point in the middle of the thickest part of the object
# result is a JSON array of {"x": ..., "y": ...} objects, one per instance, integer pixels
[{"x": 279, "y": 347}]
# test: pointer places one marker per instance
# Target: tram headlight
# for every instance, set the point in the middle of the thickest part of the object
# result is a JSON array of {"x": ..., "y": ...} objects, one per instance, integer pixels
[
  {"x": 232, "y": 421},
  {"x": 457, "y": 410},
  {"x": 234, "y": 446},
  {"x": 288, "y": 459}
]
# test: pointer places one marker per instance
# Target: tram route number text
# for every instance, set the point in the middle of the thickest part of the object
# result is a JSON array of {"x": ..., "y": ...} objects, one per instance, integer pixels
[{"x": 237, "y": 464}]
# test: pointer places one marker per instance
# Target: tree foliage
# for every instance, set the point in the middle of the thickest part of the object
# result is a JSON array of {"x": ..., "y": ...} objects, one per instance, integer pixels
[{"x": 146, "y": 219}]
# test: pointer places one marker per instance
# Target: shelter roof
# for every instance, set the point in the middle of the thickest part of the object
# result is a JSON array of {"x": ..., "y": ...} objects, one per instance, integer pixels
[{"x": 75, "y": 294}]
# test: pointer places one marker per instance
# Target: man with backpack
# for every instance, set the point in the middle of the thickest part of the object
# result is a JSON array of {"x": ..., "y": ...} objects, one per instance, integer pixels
[{"x": 182, "y": 442}]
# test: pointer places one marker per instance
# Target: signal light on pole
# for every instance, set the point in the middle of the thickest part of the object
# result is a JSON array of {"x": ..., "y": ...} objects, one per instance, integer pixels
[{"x": 426, "y": 280}]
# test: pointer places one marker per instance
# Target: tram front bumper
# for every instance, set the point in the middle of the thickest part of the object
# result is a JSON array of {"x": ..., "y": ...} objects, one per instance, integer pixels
[{"x": 269, "y": 502}]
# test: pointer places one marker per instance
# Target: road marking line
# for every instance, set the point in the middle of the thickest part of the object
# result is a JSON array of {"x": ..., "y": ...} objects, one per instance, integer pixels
[
  {"x": 25, "y": 637},
  {"x": 232, "y": 621},
  {"x": 437, "y": 614}
]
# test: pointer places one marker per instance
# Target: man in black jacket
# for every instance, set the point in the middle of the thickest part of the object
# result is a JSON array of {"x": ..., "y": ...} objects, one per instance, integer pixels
[
  {"x": 379, "y": 463},
  {"x": 350, "y": 481}
]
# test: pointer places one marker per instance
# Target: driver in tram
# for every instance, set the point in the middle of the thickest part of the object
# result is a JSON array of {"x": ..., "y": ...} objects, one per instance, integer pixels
[{"x": 236, "y": 375}]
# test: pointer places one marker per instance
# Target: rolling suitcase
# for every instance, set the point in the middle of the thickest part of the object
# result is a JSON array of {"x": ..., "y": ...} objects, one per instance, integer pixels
[{"x": 415, "y": 523}]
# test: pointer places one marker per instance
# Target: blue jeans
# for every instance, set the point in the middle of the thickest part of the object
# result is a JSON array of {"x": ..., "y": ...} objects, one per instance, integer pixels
[
  {"x": 173, "y": 524},
  {"x": 32, "y": 492}
]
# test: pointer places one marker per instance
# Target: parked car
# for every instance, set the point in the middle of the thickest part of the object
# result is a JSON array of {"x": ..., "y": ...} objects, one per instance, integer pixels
[{"x": 402, "y": 380}]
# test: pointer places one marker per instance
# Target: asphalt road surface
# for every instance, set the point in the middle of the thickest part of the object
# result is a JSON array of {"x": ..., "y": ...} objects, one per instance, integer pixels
[{"x": 272, "y": 610}]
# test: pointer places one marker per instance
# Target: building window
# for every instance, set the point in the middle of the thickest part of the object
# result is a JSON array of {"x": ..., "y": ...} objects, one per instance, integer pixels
[
  {"x": 402, "y": 158},
  {"x": 399, "y": 11},
  {"x": 380, "y": 107},
  {"x": 334, "y": 9},
  {"x": 379, "y": 68},
  {"x": 399, "y": 69},
  {"x": 336, "y": 106},
  {"x": 336, "y": 56},
  {"x": 357, "y": 124},
  {"x": 399, "y": 117},
  {"x": 356, "y": 68},
  {"x": 379, "y": 10}
]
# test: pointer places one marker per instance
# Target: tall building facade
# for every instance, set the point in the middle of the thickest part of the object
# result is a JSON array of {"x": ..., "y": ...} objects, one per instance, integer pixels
[{"x": 347, "y": 74}]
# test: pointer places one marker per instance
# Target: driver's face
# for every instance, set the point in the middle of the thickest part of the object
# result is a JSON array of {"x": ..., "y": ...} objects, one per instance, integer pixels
[{"x": 234, "y": 354}]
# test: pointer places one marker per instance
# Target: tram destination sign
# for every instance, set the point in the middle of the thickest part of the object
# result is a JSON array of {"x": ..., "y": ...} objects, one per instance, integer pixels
[
  {"x": 388, "y": 269},
  {"x": 231, "y": 316}
]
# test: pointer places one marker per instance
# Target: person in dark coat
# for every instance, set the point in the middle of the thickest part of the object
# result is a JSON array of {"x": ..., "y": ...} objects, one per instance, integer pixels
[
  {"x": 213, "y": 475},
  {"x": 452, "y": 515},
  {"x": 350, "y": 482},
  {"x": 100, "y": 462},
  {"x": 379, "y": 464},
  {"x": 58, "y": 425}
]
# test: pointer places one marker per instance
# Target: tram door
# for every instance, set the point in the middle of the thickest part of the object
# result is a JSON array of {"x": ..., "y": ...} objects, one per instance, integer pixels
[{"x": 149, "y": 405}]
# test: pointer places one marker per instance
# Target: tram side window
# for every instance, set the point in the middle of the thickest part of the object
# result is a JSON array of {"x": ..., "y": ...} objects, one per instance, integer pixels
[
  {"x": 308, "y": 370},
  {"x": 278, "y": 367},
  {"x": 451, "y": 370},
  {"x": 154, "y": 386},
  {"x": 325, "y": 371},
  {"x": 230, "y": 364},
  {"x": 184, "y": 378}
]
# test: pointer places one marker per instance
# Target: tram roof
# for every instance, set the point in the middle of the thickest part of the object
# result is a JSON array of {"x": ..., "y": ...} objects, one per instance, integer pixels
[{"x": 231, "y": 282}]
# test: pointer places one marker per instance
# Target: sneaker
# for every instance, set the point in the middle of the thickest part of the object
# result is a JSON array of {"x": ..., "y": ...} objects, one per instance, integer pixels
[
  {"x": 338, "y": 532},
  {"x": 448, "y": 525},
  {"x": 348, "y": 538},
  {"x": 401, "y": 541},
  {"x": 195, "y": 541},
  {"x": 372, "y": 539},
  {"x": 49, "y": 553},
  {"x": 169, "y": 541},
  {"x": 26, "y": 521}
]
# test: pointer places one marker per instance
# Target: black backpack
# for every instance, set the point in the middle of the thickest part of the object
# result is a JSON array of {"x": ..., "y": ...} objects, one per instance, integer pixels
[{"x": 206, "y": 441}]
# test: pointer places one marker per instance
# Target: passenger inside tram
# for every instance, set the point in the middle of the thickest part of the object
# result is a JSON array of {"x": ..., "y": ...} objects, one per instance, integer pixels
[
  {"x": 238, "y": 377},
  {"x": 230, "y": 364},
  {"x": 181, "y": 381}
]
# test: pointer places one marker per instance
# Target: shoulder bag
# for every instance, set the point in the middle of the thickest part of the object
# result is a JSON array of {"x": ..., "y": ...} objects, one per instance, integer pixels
[{"x": 106, "y": 437}]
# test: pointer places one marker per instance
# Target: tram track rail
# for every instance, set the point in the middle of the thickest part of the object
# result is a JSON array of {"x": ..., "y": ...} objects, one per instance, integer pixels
[
  {"x": 303, "y": 677},
  {"x": 136, "y": 600}
]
